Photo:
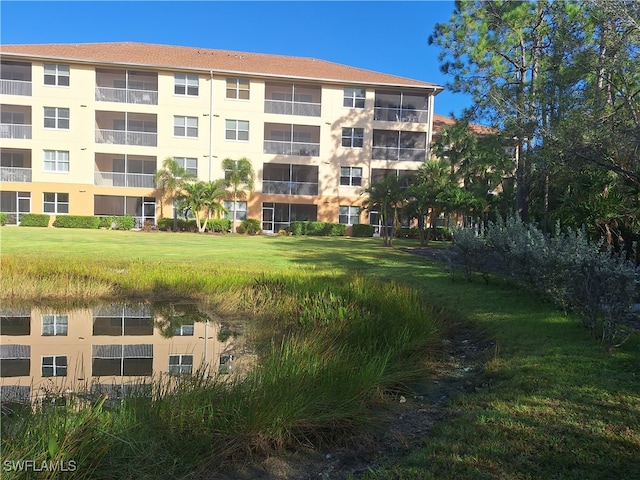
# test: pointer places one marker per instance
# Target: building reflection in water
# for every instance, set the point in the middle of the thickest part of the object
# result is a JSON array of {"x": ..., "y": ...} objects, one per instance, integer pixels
[{"x": 110, "y": 349}]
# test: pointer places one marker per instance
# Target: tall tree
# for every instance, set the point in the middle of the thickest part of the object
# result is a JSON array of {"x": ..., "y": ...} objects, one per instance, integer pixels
[
  {"x": 170, "y": 180},
  {"x": 386, "y": 197},
  {"x": 239, "y": 177}
]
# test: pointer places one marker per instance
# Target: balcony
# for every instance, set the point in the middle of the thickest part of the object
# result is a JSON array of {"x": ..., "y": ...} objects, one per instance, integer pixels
[
  {"x": 289, "y": 188},
  {"x": 399, "y": 106},
  {"x": 15, "y": 78},
  {"x": 14, "y": 130},
  {"x": 283, "y": 107},
  {"x": 117, "y": 179},
  {"x": 119, "y": 137},
  {"x": 398, "y": 153},
  {"x": 397, "y": 114},
  {"x": 286, "y": 179},
  {"x": 302, "y": 149},
  {"x": 126, "y": 86},
  {"x": 15, "y": 174},
  {"x": 123, "y": 128},
  {"x": 292, "y": 99}
]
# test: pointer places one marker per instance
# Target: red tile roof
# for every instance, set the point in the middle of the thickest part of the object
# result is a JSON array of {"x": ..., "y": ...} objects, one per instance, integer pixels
[
  {"x": 440, "y": 121},
  {"x": 190, "y": 58}
]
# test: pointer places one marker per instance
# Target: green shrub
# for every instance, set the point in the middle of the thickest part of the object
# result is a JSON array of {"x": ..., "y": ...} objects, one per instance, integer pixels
[
  {"x": 34, "y": 220},
  {"x": 77, "y": 221},
  {"x": 126, "y": 222},
  {"x": 325, "y": 229},
  {"x": 250, "y": 226},
  {"x": 183, "y": 225},
  {"x": 363, "y": 230},
  {"x": 3, "y": 219},
  {"x": 219, "y": 225}
]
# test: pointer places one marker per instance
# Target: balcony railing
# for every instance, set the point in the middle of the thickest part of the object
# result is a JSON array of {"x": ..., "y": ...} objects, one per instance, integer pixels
[
  {"x": 292, "y": 148},
  {"x": 138, "y": 222},
  {"x": 15, "y": 174},
  {"x": 393, "y": 153},
  {"x": 15, "y": 87},
  {"x": 121, "y": 137},
  {"x": 115, "y": 179},
  {"x": 289, "y": 188},
  {"x": 14, "y": 130},
  {"x": 284, "y": 107},
  {"x": 400, "y": 115},
  {"x": 124, "y": 95}
]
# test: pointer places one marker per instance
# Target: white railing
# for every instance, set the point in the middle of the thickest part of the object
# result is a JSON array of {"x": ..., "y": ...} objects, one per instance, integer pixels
[
  {"x": 15, "y": 87},
  {"x": 289, "y": 188},
  {"x": 400, "y": 115},
  {"x": 284, "y": 107},
  {"x": 124, "y": 95},
  {"x": 292, "y": 148},
  {"x": 14, "y": 130},
  {"x": 116, "y": 179},
  {"x": 394, "y": 153},
  {"x": 121, "y": 137},
  {"x": 15, "y": 174}
]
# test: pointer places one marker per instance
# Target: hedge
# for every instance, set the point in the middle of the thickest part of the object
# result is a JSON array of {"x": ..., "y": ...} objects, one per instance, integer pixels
[
  {"x": 363, "y": 230},
  {"x": 3, "y": 218},
  {"x": 77, "y": 221},
  {"x": 126, "y": 222},
  {"x": 250, "y": 226},
  {"x": 34, "y": 220},
  {"x": 318, "y": 229},
  {"x": 219, "y": 225}
]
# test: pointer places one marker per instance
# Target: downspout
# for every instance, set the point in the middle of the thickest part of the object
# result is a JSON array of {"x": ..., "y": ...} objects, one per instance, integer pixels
[
  {"x": 432, "y": 102},
  {"x": 211, "y": 126}
]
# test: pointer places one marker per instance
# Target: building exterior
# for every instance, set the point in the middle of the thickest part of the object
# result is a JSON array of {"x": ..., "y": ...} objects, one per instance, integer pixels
[{"x": 85, "y": 127}]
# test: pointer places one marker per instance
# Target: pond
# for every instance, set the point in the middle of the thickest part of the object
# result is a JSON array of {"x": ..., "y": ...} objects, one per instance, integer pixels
[{"x": 110, "y": 349}]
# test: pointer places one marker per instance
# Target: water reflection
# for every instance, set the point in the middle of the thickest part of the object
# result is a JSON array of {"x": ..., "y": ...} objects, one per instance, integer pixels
[{"x": 111, "y": 349}]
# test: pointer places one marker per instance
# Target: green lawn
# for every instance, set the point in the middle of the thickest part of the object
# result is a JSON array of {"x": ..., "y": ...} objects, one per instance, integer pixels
[{"x": 559, "y": 405}]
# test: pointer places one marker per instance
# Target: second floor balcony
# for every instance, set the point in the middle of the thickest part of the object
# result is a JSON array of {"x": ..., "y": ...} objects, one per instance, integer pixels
[
  {"x": 284, "y": 179},
  {"x": 15, "y": 174},
  {"x": 132, "y": 171},
  {"x": 15, "y": 165}
]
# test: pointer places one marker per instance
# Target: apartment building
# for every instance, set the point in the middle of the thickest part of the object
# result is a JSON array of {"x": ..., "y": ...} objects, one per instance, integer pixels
[{"x": 84, "y": 127}]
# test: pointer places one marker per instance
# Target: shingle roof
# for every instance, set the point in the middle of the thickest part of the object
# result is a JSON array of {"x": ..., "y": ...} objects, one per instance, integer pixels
[{"x": 190, "y": 58}]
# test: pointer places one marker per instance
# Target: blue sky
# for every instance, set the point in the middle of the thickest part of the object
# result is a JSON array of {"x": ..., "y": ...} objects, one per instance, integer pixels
[{"x": 388, "y": 37}]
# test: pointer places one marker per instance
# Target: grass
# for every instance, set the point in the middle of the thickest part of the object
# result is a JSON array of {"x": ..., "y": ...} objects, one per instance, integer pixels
[{"x": 555, "y": 404}]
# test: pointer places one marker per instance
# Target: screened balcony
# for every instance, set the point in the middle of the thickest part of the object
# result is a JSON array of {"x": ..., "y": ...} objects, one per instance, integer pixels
[
  {"x": 134, "y": 171},
  {"x": 15, "y": 78},
  {"x": 15, "y": 165},
  {"x": 126, "y": 86},
  {"x": 285, "y": 179},
  {"x": 142, "y": 209},
  {"x": 401, "y": 107},
  {"x": 123, "y": 128},
  {"x": 292, "y": 99},
  {"x": 15, "y": 121},
  {"x": 395, "y": 145},
  {"x": 284, "y": 139}
]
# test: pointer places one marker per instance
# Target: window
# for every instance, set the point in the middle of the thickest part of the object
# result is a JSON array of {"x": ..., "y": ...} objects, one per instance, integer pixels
[
  {"x": 186, "y": 84},
  {"x": 119, "y": 360},
  {"x": 350, "y": 176},
  {"x": 352, "y": 137},
  {"x": 56, "y": 161},
  {"x": 55, "y": 117},
  {"x": 54, "y": 366},
  {"x": 185, "y": 126},
  {"x": 54, "y": 325},
  {"x": 189, "y": 164},
  {"x": 55, "y": 74},
  {"x": 237, "y": 130},
  {"x": 353, "y": 97},
  {"x": 180, "y": 364},
  {"x": 238, "y": 88},
  {"x": 56, "y": 203},
  {"x": 240, "y": 209},
  {"x": 185, "y": 330},
  {"x": 349, "y": 215}
]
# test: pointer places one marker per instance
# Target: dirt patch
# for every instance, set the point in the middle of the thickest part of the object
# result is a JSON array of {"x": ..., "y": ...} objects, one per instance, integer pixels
[{"x": 405, "y": 422}]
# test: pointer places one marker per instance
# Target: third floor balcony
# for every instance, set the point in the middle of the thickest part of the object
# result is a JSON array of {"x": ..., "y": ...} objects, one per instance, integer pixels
[
  {"x": 286, "y": 139},
  {"x": 126, "y": 86},
  {"x": 123, "y": 128}
]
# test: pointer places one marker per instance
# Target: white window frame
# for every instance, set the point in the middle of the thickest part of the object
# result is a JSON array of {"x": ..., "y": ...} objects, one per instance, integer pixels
[
  {"x": 184, "y": 125},
  {"x": 56, "y": 161},
  {"x": 186, "y": 85},
  {"x": 56, "y": 370},
  {"x": 190, "y": 164},
  {"x": 55, "y": 325},
  {"x": 351, "y": 99},
  {"x": 241, "y": 210},
  {"x": 56, "y": 71},
  {"x": 349, "y": 173},
  {"x": 235, "y": 130},
  {"x": 186, "y": 330},
  {"x": 180, "y": 368},
  {"x": 347, "y": 216},
  {"x": 238, "y": 88},
  {"x": 57, "y": 205},
  {"x": 354, "y": 137},
  {"x": 56, "y": 115}
]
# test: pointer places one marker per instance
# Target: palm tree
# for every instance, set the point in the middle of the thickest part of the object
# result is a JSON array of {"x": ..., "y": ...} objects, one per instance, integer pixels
[
  {"x": 386, "y": 196},
  {"x": 170, "y": 180},
  {"x": 238, "y": 173},
  {"x": 431, "y": 180},
  {"x": 204, "y": 198}
]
